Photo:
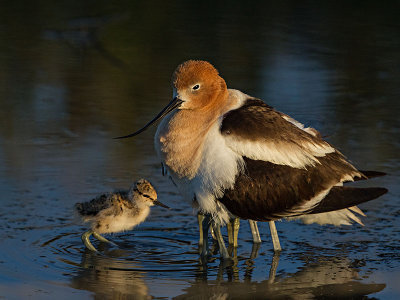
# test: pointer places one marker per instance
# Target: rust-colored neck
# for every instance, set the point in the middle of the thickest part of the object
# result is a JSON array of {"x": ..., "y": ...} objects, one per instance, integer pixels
[{"x": 182, "y": 140}]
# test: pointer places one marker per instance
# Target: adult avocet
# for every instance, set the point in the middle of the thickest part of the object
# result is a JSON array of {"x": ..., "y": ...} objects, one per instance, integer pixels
[{"x": 234, "y": 155}]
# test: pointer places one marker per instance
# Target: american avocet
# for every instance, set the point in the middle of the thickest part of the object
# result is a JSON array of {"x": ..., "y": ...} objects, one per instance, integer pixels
[
  {"x": 237, "y": 156},
  {"x": 118, "y": 211}
]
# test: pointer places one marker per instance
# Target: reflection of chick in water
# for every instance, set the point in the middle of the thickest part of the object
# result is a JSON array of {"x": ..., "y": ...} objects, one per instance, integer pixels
[
  {"x": 327, "y": 277},
  {"x": 110, "y": 278}
]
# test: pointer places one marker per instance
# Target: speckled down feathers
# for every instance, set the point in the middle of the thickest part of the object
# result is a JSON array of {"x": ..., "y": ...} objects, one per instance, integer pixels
[
  {"x": 93, "y": 207},
  {"x": 118, "y": 211}
]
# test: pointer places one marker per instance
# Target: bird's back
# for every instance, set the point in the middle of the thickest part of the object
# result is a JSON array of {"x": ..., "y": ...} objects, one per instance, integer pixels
[
  {"x": 288, "y": 170},
  {"x": 100, "y": 203}
]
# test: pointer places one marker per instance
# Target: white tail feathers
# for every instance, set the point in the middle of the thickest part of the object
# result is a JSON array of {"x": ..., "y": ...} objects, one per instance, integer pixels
[{"x": 337, "y": 217}]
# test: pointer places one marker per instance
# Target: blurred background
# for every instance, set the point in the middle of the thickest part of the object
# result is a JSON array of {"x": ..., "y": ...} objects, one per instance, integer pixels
[{"x": 75, "y": 74}]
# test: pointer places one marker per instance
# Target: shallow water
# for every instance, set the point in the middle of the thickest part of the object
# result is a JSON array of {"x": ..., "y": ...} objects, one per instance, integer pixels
[{"x": 74, "y": 75}]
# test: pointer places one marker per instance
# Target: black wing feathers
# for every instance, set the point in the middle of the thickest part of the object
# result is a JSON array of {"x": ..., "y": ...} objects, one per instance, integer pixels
[
  {"x": 266, "y": 191},
  {"x": 371, "y": 174},
  {"x": 255, "y": 121},
  {"x": 340, "y": 197}
]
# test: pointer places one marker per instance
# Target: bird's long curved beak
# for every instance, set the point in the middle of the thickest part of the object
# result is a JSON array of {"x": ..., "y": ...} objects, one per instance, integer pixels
[
  {"x": 156, "y": 202},
  {"x": 175, "y": 103}
]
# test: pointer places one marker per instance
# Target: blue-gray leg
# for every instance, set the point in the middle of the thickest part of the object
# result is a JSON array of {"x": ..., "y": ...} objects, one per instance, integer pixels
[
  {"x": 204, "y": 232},
  {"x": 254, "y": 232},
  {"x": 222, "y": 249},
  {"x": 200, "y": 218},
  {"x": 274, "y": 236}
]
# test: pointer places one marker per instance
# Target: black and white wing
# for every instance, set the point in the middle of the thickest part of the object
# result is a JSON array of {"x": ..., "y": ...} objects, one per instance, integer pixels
[{"x": 289, "y": 170}]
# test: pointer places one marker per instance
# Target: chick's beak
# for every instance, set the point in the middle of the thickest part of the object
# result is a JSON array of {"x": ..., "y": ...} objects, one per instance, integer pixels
[
  {"x": 156, "y": 202},
  {"x": 174, "y": 104}
]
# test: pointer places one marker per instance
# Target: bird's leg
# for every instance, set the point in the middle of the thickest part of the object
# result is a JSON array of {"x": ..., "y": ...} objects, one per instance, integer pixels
[
  {"x": 274, "y": 236},
  {"x": 229, "y": 228},
  {"x": 254, "y": 232},
  {"x": 222, "y": 249},
  {"x": 205, "y": 226},
  {"x": 86, "y": 241},
  {"x": 233, "y": 231},
  {"x": 200, "y": 218},
  {"x": 235, "y": 226},
  {"x": 102, "y": 239},
  {"x": 212, "y": 233}
]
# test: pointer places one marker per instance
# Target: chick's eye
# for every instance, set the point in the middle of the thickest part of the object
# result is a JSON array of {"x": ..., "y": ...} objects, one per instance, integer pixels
[{"x": 196, "y": 87}]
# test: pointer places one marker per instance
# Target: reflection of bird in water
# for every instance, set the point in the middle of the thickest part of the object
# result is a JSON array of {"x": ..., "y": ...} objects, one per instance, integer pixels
[
  {"x": 324, "y": 277},
  {"x": 118, "y": 211},
  {"x": 110, "y": 278},
  {"x": 239, "y": 157}
]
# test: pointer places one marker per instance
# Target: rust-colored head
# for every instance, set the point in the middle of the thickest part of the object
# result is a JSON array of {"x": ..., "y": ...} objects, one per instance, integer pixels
[{"x": 197, "y": 84}]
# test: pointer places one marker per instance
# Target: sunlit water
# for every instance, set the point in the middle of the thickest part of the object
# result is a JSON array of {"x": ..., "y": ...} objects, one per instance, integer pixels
[{"x": 73, "y": 76}]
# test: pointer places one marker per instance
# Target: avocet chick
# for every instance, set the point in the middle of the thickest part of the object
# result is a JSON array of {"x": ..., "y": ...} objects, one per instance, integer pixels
[{"x": 118, "y": 211}]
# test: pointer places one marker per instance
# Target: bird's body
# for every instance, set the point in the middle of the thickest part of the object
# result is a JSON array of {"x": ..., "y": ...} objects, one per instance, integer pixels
[
  {"x": 117, "y": 211},
  {"x": 237, "y": 156},
  {"x": 113, "y": 212}
]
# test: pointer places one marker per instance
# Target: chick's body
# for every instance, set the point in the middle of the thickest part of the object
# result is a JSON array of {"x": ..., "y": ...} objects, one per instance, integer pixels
[
  {"x": 117, "y": 211},
  {"x": 113, "y": 212}
]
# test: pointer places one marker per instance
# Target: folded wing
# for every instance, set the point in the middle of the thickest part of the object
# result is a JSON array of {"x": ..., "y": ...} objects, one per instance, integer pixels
[{"x": 289, "y": 170}]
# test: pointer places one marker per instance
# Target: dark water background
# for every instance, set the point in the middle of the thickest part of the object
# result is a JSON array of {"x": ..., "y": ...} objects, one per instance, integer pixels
[{"x": 75, "y": 74}]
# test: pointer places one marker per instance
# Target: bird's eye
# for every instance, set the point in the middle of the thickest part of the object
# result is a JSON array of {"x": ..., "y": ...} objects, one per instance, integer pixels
[{"x": 196, "y": 87}]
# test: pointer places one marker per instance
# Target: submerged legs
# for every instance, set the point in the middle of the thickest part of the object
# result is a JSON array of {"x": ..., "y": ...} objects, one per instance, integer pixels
[
  {"x": 86, "y": 241},
  {"x": 233, "y": 231},
  {"x": 204, "y": 225},
  {"x": 274, "y": 234},
  {"x": 203, "y": 242},
  {"x": 220, "y": 240}
]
